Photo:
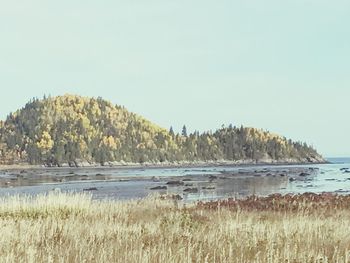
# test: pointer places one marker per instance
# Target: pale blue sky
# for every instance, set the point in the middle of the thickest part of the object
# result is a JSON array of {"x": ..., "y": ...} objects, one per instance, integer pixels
[{"x": 279, "y": 65}]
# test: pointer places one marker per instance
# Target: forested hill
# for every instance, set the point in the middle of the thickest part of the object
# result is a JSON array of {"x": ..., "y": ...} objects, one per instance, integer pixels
[{"x": 78, "y": 130}]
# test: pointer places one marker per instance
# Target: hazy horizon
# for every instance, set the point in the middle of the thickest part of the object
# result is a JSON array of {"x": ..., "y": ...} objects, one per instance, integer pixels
[{"x": 282, "y": 67}]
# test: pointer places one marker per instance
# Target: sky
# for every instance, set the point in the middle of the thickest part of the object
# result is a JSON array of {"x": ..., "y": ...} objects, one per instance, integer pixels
[{"x": 282, "y": 66}]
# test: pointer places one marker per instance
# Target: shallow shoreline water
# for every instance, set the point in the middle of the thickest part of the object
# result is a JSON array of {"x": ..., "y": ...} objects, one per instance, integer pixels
[{"x": 189, "y": 183}]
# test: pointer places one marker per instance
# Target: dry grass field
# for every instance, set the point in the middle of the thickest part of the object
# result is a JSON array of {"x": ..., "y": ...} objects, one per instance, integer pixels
[{"x": 74, "y": 228}]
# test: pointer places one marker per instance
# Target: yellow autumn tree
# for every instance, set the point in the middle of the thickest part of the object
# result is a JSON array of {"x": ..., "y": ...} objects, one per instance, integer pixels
[
  {"x": 110, "y": 142},
  {"x": 45, "y": 143}
]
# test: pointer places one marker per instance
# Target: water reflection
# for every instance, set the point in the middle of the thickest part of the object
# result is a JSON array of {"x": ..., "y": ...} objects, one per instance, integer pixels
[{"x": 203, "y": 183}]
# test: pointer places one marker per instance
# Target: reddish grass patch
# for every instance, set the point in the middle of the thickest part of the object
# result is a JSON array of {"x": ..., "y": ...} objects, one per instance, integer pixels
[{"x": 306, "y": 202}]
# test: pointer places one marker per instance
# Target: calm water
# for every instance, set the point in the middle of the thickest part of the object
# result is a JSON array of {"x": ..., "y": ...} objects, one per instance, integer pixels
[
  {"x": 334, "y": 177},
  {"x": 199, "y": 183}
]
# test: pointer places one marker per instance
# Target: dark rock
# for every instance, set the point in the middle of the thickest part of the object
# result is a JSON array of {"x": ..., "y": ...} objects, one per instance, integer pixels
[
  {"x": 303, "y": 174},
  {"x": 208, "y": 188},
  {"x": 186, "y": 180},
  {"x": 188, "y": 185},
  {"x": 191, "y": 190},
  {"x": 175, "y": 183},
  {"x": 99, "y": 175},
  {"x": 341, "y": 191},
  {"x": 213, "y": 177},
  {"x": 90, "y": 189},
  {"x": 159, "y": 188},
  {"x": 291, "y": 179},
  {"x": 282, "y": 175}
]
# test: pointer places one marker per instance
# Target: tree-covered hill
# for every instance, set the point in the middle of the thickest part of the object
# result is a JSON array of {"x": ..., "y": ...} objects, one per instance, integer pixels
[{"x": 74, "y": 130}]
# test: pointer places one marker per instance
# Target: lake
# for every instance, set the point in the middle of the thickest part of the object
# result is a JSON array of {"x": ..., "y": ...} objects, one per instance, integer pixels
[{"x": 189, "y": 183}]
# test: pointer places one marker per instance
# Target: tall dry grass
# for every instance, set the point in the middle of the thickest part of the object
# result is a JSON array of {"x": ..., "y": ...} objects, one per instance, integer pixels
[{"x": 73, "y": 228}]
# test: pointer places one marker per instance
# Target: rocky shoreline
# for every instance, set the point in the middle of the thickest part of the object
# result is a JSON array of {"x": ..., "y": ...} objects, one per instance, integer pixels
[
  {"x": 181, "y": 183},
  {"x": 182, "y": 164}
]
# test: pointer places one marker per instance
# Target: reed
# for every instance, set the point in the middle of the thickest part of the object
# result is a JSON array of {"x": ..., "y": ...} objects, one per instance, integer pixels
[{"x": 62, "y": 227}]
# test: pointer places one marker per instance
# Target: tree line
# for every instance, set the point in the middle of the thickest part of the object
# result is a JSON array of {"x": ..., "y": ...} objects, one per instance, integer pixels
[{"x": 72, "y": 129}]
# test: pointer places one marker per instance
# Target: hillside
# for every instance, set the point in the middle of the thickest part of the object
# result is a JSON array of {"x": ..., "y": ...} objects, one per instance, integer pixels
[{"x": 77, "y": 130}]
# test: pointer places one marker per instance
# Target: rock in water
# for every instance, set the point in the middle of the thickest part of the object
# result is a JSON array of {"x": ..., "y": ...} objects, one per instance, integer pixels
[{"x": 159, "y": 188}]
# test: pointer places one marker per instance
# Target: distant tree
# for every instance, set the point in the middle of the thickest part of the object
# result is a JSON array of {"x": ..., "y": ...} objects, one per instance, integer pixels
[
  {"x": 71, "y": 128},
  {"x": 184, "y": 131},
  {"x": 171, "y": 132},
  {"x": 59, "y": 154}
]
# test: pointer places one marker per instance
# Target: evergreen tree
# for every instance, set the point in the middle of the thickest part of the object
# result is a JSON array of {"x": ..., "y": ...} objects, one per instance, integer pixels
[
  {"x": 171, "y": 132},
  {"x": 184, "y": 131},
  {"x": 69, "y": 129}
]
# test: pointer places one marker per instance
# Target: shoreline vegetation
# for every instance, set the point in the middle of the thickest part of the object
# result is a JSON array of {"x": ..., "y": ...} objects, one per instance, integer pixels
[
  {"x": 78, "y": 131},
  {"x": 149, "y": 165},
  {"x": 74, "y": 228}
]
